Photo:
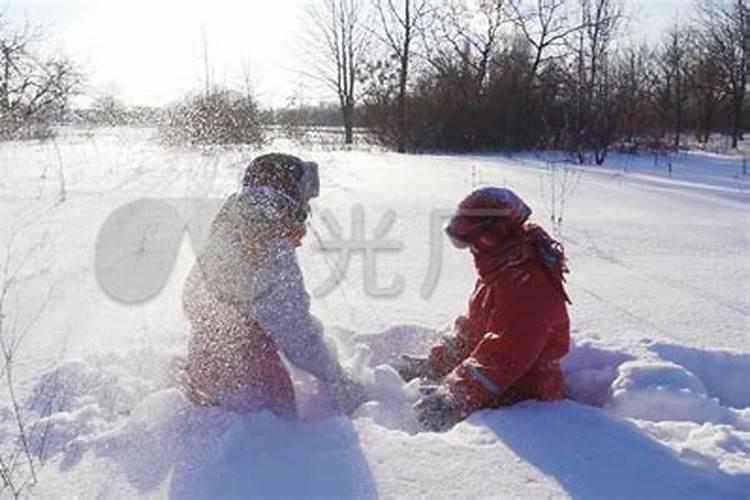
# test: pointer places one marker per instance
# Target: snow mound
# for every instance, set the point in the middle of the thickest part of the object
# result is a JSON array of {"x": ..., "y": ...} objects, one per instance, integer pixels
[
  {"x": 168, "y": 444},
  {"x": 684, "y": 384},
  {"x": 676, "y": 407},
  {"x": 369, "y": 358},
  {"x": 83, "y": 397},
  {"x": 726, "y": 375},
  {"x": 113, "y": 382},
  {"x": 689, "y": 401},
  {"x": 589, "y": 372},
  {"x": 392, "y": 401},
  {"x": 82, "y": 403},
  {"x": 658, "y": 390},
  {"x": 667, "y": 420}
]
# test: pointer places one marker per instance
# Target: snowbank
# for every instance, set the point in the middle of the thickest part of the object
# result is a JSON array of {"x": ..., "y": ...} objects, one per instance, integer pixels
[
  {"x": 589, "y": 372},
  {"x": 630, "y": 416},
  {"x": 653, "y": 253},
  {"x": 726, "y": 375},
  {"x": 659, "y": 390}
]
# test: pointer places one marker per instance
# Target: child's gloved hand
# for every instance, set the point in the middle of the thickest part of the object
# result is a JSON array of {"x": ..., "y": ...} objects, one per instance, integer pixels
[
  {"x": 347, "y": 394},
  {"x": 411, "y": 367},
  {"x": 437, "y": 409}
]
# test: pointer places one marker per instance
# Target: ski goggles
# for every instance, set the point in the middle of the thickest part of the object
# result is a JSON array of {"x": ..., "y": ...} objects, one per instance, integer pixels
[{"x": 463, "y": 230}]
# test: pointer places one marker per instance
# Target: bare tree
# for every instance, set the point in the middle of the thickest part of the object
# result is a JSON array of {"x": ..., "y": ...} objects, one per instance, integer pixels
[
  {"x": 708, "y": 92},
  {"x": 595, "y": 110},
  {"x": 725, "y": 35},
  {"x": 547, "y": 26},
  {"x": 673, "y": 66},
  {"x": 463, "y": 44},
  {"x": 33, "y": 89},
  {"x": 557, "y": 184},
  {"x": 635, "y": 74},
  {"x": 337, "y": 44},
  {"x": 471, "y": 33},
  {"x": 398, "y": 24}
]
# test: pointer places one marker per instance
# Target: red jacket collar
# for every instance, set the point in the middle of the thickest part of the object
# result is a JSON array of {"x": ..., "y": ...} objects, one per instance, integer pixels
[{"x": 492, "y": 263}]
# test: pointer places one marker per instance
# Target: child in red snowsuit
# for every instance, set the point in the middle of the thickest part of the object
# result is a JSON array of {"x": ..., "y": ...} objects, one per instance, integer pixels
[{"x": 509, "y": 345}]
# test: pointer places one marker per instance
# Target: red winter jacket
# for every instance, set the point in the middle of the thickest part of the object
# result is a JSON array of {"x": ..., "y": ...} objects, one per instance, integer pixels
[{"x": 508, "y": 348}]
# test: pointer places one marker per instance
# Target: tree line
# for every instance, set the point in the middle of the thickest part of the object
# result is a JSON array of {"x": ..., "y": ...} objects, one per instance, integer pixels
[
  {"x": 460, "y": 75},
  {"x": 514, "y": 74}
]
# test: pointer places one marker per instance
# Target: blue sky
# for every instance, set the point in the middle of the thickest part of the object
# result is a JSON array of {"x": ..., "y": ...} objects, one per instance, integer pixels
[{"x": 150, "y": 51}]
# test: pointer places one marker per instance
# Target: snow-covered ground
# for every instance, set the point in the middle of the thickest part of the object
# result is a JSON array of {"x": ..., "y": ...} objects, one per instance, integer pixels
[{"x": 658, "y": 378}]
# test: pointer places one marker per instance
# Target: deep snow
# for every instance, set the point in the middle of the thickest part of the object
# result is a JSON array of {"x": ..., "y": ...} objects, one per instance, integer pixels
[{"x": 660, "y": 286}]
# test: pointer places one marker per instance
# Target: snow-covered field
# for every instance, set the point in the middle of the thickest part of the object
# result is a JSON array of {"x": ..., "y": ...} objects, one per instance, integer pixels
[{"x": 659, "y": 377}]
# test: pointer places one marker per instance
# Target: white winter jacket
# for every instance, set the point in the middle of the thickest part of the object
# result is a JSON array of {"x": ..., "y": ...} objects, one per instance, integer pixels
[{"x": 249, "y": 267}]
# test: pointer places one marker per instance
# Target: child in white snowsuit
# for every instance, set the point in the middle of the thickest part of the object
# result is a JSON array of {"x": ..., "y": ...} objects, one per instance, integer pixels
[{"x": 246, "y": 300}]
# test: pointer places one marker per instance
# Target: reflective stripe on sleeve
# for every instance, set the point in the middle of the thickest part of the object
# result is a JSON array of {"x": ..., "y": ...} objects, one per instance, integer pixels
[{"x": 474, "y": 370}]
